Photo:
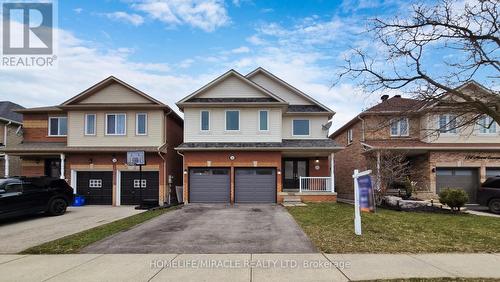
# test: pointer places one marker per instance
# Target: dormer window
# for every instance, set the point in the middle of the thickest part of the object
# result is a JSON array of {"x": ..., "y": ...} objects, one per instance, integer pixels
[
  {"x": 487, "y": 125},
  {"x": 399, "y": 127},
  {"x": 447, "y": 124}
]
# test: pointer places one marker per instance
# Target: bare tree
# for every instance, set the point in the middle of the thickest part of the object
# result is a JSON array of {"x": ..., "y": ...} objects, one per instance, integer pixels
[{"x": 465, "y": 38}]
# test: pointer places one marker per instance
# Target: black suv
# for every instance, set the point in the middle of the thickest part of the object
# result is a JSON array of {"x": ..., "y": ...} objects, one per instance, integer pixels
[
  {"x": 23, "y": 195},
  {"x": 489, "y": 194}
]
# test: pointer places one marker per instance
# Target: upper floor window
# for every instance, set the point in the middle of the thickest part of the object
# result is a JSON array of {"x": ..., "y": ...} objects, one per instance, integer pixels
[
  {"x": 90, "y": 124},
  {"x": 349, "y": 136},
  {"x": 447, "y": 124},
  {"x": 263, "y": 120},
  {"x": 58, "y": 126},
  {"x": 232, "y": 120},
  {"x": 205, "y": 120},
  {"x": 399, "y": 127},
  {"x": 116, "y": 124},
  {"x": 300, "y": 127},
  {"x": 487, "y": 125},
  {"x": 141, "y": 124}
]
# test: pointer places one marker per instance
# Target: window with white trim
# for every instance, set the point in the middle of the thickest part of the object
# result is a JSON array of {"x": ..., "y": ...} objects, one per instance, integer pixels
[
  {"x": 205, "y": 120},
  {"x": 58, "y": 126},
  {"x": 116, "y": 124},
  {"x": 447, "y": 124},
  {"x": 400, "y": 127},
  {"x": 90, "y": 124},
  {"x": 487, "y": 125},
  {"x": 95, "y": 183},
  {"x": 263, "y": 120},
  {"x": 349, "y": 136},
  {"x": 233, "y": 120},
  {"x": 141, "y": 124},
  {"x": 138, "y": 181}
]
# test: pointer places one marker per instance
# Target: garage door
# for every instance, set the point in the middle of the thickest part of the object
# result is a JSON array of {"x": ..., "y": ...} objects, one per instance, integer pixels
[
  {"x": 255, "y": 185},
  {"x": 131, "y": 194},
  {"x": 95, "y": 186},
  {"x": 492, "y": 171},
  {"x": 209, "y": 185},
  {"x": 461, "y": 178}
]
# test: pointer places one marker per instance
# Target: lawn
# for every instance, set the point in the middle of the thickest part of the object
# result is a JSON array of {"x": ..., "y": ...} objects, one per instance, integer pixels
[
  {"x": 74, "y": 243},
  {"x": 331, "y": 228}
]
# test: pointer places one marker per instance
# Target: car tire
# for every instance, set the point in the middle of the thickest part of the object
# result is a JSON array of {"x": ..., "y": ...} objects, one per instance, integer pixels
[
  {"x": 494, "y": 206},
  {"x": 57, "y": 207}
]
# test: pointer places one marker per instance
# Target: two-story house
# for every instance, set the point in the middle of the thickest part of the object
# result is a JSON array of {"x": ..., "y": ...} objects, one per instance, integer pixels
[
  {"x": 440, "y": 155},
  {"x": 255, "y": 139},
  {"x": 85, "y": 140},
  {"x": 10, "y": 125}
]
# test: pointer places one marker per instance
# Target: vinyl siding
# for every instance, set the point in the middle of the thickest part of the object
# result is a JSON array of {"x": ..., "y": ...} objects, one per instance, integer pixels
[
  {"x": 115, "y": 94},
  {"x": 280, "y": 90},
  {"x": 315, "y": 127},
  {"x": 468, "y": 134},
  {"x": 232, "y": 87},
  {"x": 248, "y": 126},
  {"x": 76, "y": 136}
]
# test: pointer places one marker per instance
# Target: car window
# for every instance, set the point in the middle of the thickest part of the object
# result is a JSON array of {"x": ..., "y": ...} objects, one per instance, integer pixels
[
  {"x": 13, "y": 187},
  {"x": 29, "y": 187},
  {"x": 492, "y": 183}
]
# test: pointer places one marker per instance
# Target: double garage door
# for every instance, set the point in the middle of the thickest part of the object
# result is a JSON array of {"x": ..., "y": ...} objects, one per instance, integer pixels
[
  {"x": 251, "y": 185},
  {"x": 97, "y": 187}
]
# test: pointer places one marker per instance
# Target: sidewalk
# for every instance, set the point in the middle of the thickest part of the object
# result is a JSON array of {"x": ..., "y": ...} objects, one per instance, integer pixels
[{"x": 245, "y": 267}]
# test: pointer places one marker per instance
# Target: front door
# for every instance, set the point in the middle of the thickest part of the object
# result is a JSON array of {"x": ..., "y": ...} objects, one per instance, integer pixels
[
  {"x": 53, "y": 167},
  {"x": 293, "y": 170}
]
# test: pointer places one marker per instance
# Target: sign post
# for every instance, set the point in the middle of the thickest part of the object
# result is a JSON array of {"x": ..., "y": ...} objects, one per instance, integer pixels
[
  {"x": 137, "y": 158},
  {"x": 365, "y": 182}
]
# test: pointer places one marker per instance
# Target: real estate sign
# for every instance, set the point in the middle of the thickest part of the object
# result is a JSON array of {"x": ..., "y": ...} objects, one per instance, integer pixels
[{"x": 366, "y": 196}]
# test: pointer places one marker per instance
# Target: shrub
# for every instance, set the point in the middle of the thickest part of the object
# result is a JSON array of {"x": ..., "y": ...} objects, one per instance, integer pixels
[{"x": 454, "y": 198}]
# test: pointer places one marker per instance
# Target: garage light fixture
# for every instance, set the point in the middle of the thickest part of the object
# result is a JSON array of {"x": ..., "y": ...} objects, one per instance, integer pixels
[{"x": 232, "y": 157}]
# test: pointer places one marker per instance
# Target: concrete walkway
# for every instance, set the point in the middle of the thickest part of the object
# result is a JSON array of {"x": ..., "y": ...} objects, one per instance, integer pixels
[{"x": 245, "y": 267}]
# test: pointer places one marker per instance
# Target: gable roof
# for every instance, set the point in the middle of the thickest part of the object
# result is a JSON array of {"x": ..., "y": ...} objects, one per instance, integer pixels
[
  {"x": 288, "y": 86},
  {"x": 221, "y": 78},
  {"x": 7, "y": 112},
  {"x": 104, "y": 83}
]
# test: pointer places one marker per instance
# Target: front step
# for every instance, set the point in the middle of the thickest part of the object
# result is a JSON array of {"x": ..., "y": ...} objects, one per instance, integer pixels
[{"x": 292, "y": 201}]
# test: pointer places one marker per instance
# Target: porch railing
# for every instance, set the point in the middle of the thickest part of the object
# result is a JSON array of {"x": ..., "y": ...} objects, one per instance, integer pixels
[{"x": 315, "y": 184}]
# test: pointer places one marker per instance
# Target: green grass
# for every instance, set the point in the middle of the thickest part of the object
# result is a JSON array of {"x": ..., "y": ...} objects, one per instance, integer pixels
[
  {"x": 331, "y": 228},
  {"x": 74, "y": 243}
]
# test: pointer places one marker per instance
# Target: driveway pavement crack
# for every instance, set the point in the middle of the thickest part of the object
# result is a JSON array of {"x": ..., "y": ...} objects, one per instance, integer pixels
[{"x": 345, "y": 275}]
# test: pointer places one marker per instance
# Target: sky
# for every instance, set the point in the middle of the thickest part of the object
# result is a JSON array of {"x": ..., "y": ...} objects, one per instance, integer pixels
[{"x": 168, "y": 49}]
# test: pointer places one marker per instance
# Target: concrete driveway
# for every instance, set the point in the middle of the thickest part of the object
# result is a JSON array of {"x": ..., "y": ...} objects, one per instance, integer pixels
[
  {"x": 21, "y": 233},
  {"x": 212, "y": 229}
]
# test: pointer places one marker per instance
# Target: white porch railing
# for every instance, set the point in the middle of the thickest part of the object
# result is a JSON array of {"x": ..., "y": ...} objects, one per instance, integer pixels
[{"x": 315, "y": 184}]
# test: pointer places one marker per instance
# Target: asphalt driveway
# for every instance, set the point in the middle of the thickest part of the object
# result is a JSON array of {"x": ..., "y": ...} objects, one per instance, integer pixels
[
  {"x": 21, "y": 233},
  {"x": 212, "y": 229}
]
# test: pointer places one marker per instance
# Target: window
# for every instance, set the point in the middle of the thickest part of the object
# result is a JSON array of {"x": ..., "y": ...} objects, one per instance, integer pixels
[
  {"x": 58, "y": 126},
  {"x": 487, "y": 125},
  {"x": 300, "y": 127},
  {"x": 232, "y": 120},
  {"x": 205, "y": 120},
  {"x": 95, "y": 183},
  {"x": 141, "y": 124},
  {"x": 90, "y": 123},
  {"x": 447, "y": 124},
  {"x": 14, "y": 187},
  {"x": 349, "y": 136},
  {"x": 116, "y": 124},
  {"x": 143, "y": 183},
  {"x": 399, "y": 127},
  {"x": 263, "y": 120}
]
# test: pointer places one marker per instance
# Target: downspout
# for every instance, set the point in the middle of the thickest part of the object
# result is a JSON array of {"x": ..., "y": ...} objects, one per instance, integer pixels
[{"x": 362, "y": 128}]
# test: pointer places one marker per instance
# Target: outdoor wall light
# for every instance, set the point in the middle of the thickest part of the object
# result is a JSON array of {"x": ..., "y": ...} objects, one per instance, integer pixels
[
  {"x": 433, "y": 170},
  {"x": 185, "y": 171},
  {"x": 317, "y": 161},
  {"x": 91, "y": 161},
  {"x": 232, "y": 157},
  {"x": 114, "y": 160},
  {"x": 279, "y": 171}
]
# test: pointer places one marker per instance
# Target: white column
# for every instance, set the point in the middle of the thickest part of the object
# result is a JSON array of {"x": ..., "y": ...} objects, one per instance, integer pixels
[
  {"x": 378, "y": 171},
  {"x": 6, "y": 167},
  {"x": 63, "y": 157},
  {"x": 332, "y": 170}
]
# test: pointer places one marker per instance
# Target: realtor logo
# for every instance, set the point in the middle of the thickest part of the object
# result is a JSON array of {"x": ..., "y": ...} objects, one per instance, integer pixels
[
  {"x": 28, "y": 34},
  {"x": 36, "y": 28}
]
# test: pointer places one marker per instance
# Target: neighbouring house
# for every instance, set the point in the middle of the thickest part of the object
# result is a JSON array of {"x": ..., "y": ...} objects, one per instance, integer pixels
[
  {"x": 10, "y": 125},
  {"x": 85, "y": 140},
  {"x": 439, "y": 154},
  {"x": 256, "y": 139}
]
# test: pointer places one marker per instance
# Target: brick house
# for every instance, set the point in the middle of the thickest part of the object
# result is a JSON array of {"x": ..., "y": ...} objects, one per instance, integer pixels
[
  {"x": 256, "y": 139},
  {"x": 85, "y": 140},
  {"x": 10, "y": 125},
  {"x": 439, "y": 155}
]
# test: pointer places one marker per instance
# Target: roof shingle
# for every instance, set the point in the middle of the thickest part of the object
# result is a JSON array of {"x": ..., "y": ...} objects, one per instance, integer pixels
[{"x": 7, "y": 111}]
